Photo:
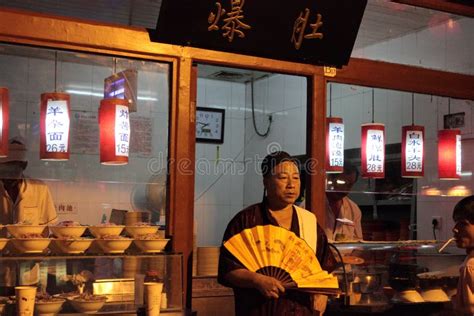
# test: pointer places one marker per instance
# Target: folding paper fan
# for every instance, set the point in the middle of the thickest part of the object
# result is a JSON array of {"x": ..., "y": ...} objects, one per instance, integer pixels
[{"x": 277, "y": 252}]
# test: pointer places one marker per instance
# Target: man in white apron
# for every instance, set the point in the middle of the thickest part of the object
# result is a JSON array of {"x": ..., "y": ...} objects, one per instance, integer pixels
[{"x": 22, "y": 200}]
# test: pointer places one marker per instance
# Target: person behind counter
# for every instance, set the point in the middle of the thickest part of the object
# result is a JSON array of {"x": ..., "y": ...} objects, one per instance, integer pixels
[
  {"x": 22, "y": 199},
  {"x": 343, "y": 216},
  {"x": 463, "y": 215},
  {"x": 257, "y": 294}
]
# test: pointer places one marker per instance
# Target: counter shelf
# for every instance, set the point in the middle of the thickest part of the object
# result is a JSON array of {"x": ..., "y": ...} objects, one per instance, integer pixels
[
  {"x": 379, "y": 283},
  {"x": 123, "y": 275}
]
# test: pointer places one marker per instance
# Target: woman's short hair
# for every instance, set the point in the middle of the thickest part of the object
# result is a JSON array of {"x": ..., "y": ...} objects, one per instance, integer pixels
[
  {"x": 272, "y": 160},
  {"x": 464, "y": 210}
]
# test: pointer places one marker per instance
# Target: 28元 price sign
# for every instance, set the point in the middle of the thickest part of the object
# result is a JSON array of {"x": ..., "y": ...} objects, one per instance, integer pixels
[{"x": 373, "y": 150}]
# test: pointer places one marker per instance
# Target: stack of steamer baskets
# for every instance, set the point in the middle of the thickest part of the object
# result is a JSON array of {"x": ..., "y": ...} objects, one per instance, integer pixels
[{"x": 207, "y": 261}]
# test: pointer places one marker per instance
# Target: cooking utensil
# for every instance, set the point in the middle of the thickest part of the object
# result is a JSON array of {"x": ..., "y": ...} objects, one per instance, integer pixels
[{"x": 446, "y": 244}]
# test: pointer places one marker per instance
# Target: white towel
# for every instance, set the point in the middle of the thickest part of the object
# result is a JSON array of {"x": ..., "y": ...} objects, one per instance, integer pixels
[{"x": 308, "y": 227}]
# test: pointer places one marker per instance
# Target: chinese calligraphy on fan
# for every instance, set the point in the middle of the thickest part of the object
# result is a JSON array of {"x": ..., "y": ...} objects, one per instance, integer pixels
[
  {"x": 375, "y": 151},
  {"x": 233, "y": 20},
  {"x": 57, "y": 126},
  {"x": 414, "y": 151}
]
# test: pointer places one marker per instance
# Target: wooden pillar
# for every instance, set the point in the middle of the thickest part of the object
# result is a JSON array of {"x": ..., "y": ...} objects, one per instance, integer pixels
[
  {"x": 181, "y": 168},
  {"x": 316, "y": 145}
]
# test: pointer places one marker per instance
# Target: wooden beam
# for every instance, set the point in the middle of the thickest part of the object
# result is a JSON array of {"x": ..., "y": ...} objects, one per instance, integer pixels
[
  {"x": 316, "y": 144},
  {"x": 254, "y": 63},
  {"x": 441, "y": 5},
  {"x": 385, "y": 75}
]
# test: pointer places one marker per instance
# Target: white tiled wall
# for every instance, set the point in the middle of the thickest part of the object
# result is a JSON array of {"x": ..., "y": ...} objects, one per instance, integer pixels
[
  {"x": 283, "y": 97},
  {"x": 82, "y": 181},
  {"x": 219, "y": 176},
  {"x": 222, "y": 188}
]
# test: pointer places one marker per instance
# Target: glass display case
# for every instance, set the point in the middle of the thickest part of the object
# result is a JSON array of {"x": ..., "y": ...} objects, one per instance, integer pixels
[
  {"x": 97, "y": 94},
  {"x": 120, "y": 278},
  {"x": 386, "y": 277}
]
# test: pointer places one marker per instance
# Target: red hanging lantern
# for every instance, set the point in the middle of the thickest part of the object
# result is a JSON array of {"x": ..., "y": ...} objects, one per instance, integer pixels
[
  {"x": 54, "y": 126},
  {"x": 114, "y": 124},
  {"x": 334, "y": 145},
  {"x": 449, "y": 154},
  {"x": 373, "y": 150},
  {"x": 413, "y": 154},
  {"x": 4, "y": 121}
]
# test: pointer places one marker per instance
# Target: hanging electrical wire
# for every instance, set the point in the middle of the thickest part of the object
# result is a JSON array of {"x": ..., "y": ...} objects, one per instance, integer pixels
[
  {"x": 56, "y": 71},
  {"x": 373, "y": 105},
  {"x": 252, "y": 101}
]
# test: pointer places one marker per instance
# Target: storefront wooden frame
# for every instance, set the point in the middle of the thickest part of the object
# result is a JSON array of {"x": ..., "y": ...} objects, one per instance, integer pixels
[{"x": 69, "y": 34}]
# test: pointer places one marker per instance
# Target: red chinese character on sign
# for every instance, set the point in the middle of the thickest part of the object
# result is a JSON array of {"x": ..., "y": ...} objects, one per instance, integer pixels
[
  {"x": 233, "y": 23},
  {"x": 299, "y": 28}
]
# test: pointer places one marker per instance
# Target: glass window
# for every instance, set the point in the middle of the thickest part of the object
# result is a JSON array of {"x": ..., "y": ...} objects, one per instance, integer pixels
[
  {"x": 82, "y": 188},
  {"x": 396, "y": 207}
]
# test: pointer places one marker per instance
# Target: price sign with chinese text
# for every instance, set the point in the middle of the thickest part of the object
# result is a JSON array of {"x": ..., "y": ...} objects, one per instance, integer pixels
[
  {"x": 373, "y": 151},
  {"x": 57, "y": 126},
  {"x": 413, "y": 151},
  {"x": 335, "y": 145},
  {"x": 122, "y": 130},
  {"x": 458, "y": 155}
]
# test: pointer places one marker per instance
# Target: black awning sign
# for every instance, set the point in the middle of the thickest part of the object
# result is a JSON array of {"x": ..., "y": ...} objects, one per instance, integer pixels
[{"x": 320, "y": 32}]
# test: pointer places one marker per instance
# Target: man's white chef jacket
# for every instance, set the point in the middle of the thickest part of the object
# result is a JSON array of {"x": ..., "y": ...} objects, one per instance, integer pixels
[{"x": 34, "y": 204}]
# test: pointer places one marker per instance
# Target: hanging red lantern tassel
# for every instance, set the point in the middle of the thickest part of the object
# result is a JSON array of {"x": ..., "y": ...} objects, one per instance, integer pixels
[
  {"x": 373, "y": 150},
  {"x": 413, "y": 153},
  {"x": 449, "y": 154},
  {"x": 4, "y": 120},
  {"x": 114, "y": 124},
  {"x": 54, "y": 126},
  {"x": 334, "y": 145}
]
